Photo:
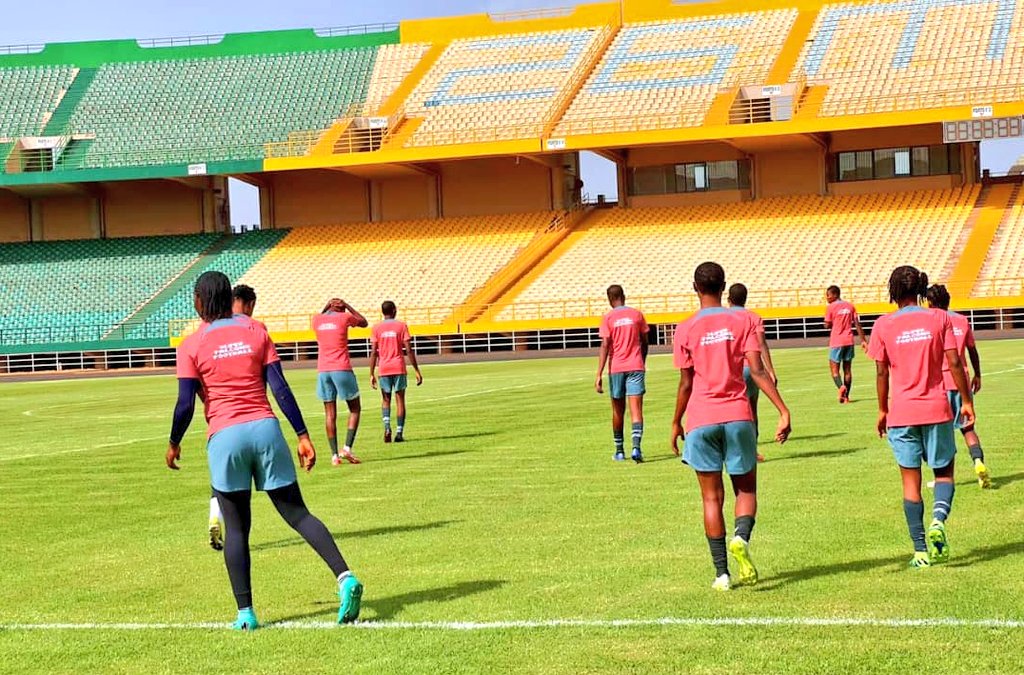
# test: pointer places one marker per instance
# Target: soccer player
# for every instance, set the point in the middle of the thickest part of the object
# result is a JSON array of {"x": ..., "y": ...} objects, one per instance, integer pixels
[
  {"x": 624, "y": 352},
  {"x": 938, "y": 299},
  {"x": 390, "y": 344},
  {"x": 710, "y": 349},
  {"x": 738, "y": 302},
  {"x": 234, "y": 361},
  {"x": 909, "y": 347},
  {"x": 336, "y": 378},
  {"x": 841, "y": 317}
]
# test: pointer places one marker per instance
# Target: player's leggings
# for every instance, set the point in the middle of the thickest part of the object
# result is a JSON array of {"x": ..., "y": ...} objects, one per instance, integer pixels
[{"x": 237, "y": 511}]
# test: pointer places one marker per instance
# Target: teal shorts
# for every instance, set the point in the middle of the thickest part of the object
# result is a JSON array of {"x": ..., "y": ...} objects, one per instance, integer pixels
[
  {"x": 335, "y": 384},
  {"x": 633, "y": 383},
  {"x": 841, "y": 354},
  {"x": 931, "y": 443},
  {"x": 955, "y": 403},
  {"x": 390, "y": 383},
  {"x": 732, "y": 445},
  {"x": 247, "y": 453}
]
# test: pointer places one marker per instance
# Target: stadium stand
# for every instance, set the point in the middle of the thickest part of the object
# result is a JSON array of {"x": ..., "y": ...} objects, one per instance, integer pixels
[
  {"x": 74, "y": 291},
  {"x": 674, "y": 69},
  {"x": 1006, "y": 256},
  {"x": 29, "y": 97},
  {"x": 495, "y": 88},
  {"x": 410, "y": 262},
  {"x": 912, "y": 54},
  {"x": 781, "y": 243},
  {"x": 392, "y": 65}
]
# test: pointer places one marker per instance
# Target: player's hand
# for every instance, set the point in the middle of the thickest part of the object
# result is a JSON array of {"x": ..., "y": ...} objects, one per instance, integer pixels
[
  {"x": 599, "y": 385},
  {"x": 677, "y": 433},
  {"x": 307, "y": 453},
  {"x": 882, "y": 426},
  {"x": 967, "y": 417},
  {"x": 976, "y": 384},
  {"x": 173, "y": 456},
  {"x": 373, "y": 381},
  {"x": 419, "y": 378},
  {"x": 864, "y": 346},
  {"x": 784, "y": 429}
]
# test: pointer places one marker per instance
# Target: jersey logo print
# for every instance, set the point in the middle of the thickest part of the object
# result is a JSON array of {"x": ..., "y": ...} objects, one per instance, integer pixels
[
  {"x": 231, "y": 350},
  {"x": 916, "y": 335},
  {"x": 328, "y": 326},
  {"x": 717, "y": 337},
  {"x": 620, "y": 323}
]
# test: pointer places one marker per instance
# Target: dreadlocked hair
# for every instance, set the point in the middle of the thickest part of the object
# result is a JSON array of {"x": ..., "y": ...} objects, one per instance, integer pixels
[
  {"x": 214, "y": 292},
  {"x": 907, "y": 282},
  {"x": 938, "y": 296}
]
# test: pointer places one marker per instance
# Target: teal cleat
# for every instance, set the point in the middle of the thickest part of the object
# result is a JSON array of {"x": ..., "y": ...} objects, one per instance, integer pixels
[
  {"x": 938, "y": 543},
  {"x": 350, "y": 592},
  {"x": 246, "y": 620}
]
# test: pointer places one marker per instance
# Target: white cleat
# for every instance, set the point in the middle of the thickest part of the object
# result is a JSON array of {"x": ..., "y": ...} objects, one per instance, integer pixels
[{"x": 722, "y": 583}]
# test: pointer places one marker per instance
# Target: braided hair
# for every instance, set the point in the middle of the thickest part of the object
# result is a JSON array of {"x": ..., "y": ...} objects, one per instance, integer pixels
[
  {"x": 213, "y": 291},
  {"x": 938, "y": 296},
  {"x": 907, "y": 282}
]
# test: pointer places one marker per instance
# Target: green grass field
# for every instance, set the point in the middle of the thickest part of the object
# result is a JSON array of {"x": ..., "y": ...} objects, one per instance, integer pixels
[{"x": 504, "y": 506}]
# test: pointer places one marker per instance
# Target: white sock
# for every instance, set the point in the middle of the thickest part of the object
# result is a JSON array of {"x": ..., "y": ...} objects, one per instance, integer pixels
[
  {"x": 344, "y": 575},
  {"x": 214, "y": 509}
]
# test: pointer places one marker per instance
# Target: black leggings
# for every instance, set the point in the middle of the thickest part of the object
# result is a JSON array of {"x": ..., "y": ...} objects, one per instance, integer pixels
[{"x": 237, "y": 511}]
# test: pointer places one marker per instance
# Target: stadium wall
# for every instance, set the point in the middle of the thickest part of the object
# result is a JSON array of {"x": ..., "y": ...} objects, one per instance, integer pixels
[
  {"x": 778, "y": 174},
  {"x": 318, "y": 198},
  {"x": 66, "y": 217},
  {"x": 145, "y": 208},
  {"x": 405, "y": 198},
  {"x": 15, "y": 225},
  {"x": 495, "y": 186}
]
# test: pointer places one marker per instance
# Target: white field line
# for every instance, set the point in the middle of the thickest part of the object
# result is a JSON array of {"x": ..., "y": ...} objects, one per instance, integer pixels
[
  {"x": 1018, "y": 369},
  {"x": 70, "y": 451},
  {"x": 468, "y": 626}
]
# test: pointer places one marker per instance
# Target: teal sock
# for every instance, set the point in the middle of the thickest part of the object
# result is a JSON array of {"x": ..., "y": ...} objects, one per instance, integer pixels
[
  {"x": 943, "y": 500},
  {"x": 638, "y": 434},
  {"x": 619, "y": 439},
  {"x": 838, "y": 380},
  {"x": 976, "y": 452},
  {"x": 386, "y": 416},
  {"x": 401, "y": 424},
  {"x": 333, "y": 442},
  {"x": 914, "y": 511},
  {"x": 849, "y": 386}
]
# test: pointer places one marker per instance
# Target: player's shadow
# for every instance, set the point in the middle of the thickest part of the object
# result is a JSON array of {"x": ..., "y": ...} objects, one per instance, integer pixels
[
  {"x": 815, "y": 437},
  {"x": 423, "y": 455},
  {"x": 661, "y": 458},
  {"x": 999, "y": 482},
  {"x": 987, "y": 554},
  {"x": 388, "y": 607},
  {"x": 357, "y": 534},
  {"x": 817, "y": 454},
  {"x": 817, "y": 571}
]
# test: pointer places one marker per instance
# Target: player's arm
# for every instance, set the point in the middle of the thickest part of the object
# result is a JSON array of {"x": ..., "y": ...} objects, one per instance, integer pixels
[
  {"x": 682, "y": 401},
  {"x": 330, "y": 303},
  {"x": 411, "y": 353},
  {"x": 766, "y": 358},
  {"x": 645, "y": 345},
  {"x": 361, "y": 321},
  {"x": 766, "y": 384},
  {"x": 602, "y": 362},
  {"x": 972, "y": 353},
  {"x": 956, "y": 368},
  {"x": 184, "y": 409},
  {"x": 373, "y": 364},
  {"x": 274, "y": 376},
  {"x": 860, "y": 331},
  {"x": 882, "y": 391}
]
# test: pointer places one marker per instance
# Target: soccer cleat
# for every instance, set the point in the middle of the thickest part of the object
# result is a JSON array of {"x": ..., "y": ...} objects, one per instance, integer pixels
[
  {"x": 938, "y": 544},
  {"x": 399, "y": 437},
  {"x": 216, "y": 534},
  {"x": 638, "y": 456},
  {"x": 842, "y": 394},
  {"x": 350, "y": 593},
  {"x": 387, "y": 435},
  {"x": 336, "y": 460},
  {"x": 721, "y": 583},
  {"x": 920, "y": 560},
  {"x": 349, "y": 457},
  {"x": 619, "y": 456},
  {"x": 246, "y": 620},
  {"x": 981, "y": 471},
  {"x": 740, "y": 552}
]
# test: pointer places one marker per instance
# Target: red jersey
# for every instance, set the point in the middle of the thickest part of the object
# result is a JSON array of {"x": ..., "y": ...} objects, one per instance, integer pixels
[
  {"x": 964, "y": 336},
  {"x": 228, "y": 358},
  {"x": 332, "y": 340},
  {"x": 390, "y": 337},
  {"x": 913, "y": 342},
  {"x": 841, "y": 315},
  {"x": 626, "y": 327},
  {"x": 714, "y": 342}
]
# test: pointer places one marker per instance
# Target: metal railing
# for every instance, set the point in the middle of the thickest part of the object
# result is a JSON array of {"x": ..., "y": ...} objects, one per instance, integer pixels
[
  {"x": 180, "y": 41},
  {"x": 528, "y": 14},
  {"x": 358, "y": 29}
]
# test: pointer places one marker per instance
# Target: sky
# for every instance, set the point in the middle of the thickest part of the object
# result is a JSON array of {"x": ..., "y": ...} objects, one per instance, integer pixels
[{"x": 112, "y": 19}]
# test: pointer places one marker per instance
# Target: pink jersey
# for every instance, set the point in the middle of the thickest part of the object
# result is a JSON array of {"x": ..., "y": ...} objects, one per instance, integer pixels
[
  {"x": 332, "y": 340},
  {"x": 964, "y": 336},
  {"x": 714, "y": 342},
  {"x": 626, "y": 327},
  {"x": 228, "y": 358},
  {"x": 841, "y": 315},
  {"x": 390, "y": 337},
  {"x": 913, "y": 341}
]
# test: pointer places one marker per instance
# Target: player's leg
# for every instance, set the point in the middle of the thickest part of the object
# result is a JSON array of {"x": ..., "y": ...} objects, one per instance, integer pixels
[
  {"x": 973, "y": 442},
  {"x": 741, "y": 464},
  {"x": 331, "y": 423},
  {"x": 636, "y": 387},
  {"x": 348, "y": 389},
  {"x": 237, "y": 511},
  {"x": 289, "y": 503},
  {"x": 848, "y": 375},
  {"x": 833, "y": 365},
  {"x": 704, "y": 452},
  {"x": 385, "y": 409},
  {"x": 618, "y": 422},
  {"x": 216, "y": 523},
  {"x": 940, "y": 450},
  {"x": 907, "y": 447},
  {"x": 753, "y": 396},
  {"x": 400, "y": 409}
]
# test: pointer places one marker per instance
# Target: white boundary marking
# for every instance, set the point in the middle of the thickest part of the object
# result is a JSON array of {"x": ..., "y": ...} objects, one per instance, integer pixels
[
  {"x": 71, "y": 451},
  {"x": 468, "y": 626}
]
